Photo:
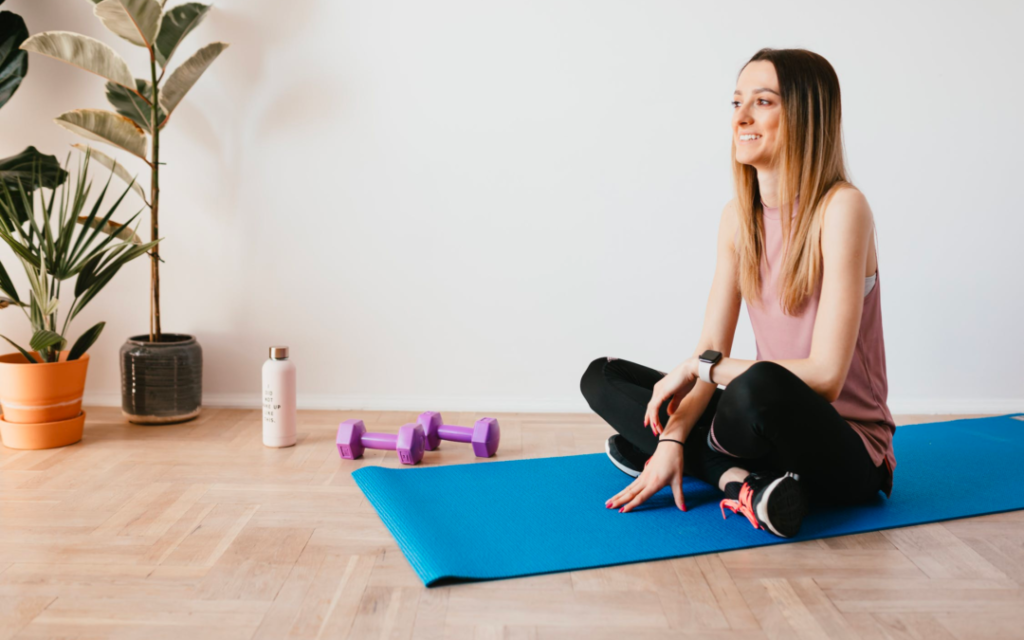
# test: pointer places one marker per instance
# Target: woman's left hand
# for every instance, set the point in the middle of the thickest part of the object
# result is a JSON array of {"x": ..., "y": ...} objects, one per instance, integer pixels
[
  {"x": 675, "y": 385},
  {"x": 665, "y": 467}
]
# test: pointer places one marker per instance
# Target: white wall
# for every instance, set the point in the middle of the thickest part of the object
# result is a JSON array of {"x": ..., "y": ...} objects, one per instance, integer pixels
[{"x": 459, "y": 204}]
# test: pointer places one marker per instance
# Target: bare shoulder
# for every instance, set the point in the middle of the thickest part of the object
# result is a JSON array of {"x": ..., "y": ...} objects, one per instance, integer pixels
[
  {"x": 846, "y": 231},
  {"x": 847, "y": 210},
  {"x": 848, "y": 199}
]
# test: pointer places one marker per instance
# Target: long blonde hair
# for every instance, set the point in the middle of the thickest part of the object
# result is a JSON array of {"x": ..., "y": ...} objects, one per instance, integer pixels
[{"x": 811, "y": 170}]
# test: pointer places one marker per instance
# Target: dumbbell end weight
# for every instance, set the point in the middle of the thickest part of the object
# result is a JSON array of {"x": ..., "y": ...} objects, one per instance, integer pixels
[
  {"x": 350, "y": 439},
  {"x": 430, "y": 422},
  {"x": 486, "y": 436},
  {"x": 410, "y": 443}
]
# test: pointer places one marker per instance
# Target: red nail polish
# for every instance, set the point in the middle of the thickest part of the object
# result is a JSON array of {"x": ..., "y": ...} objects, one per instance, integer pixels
[{"x": 620, "y": 510}]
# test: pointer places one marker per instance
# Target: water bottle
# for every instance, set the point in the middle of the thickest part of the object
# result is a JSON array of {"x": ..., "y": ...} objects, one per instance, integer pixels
[{"x": 279, "y": 399}]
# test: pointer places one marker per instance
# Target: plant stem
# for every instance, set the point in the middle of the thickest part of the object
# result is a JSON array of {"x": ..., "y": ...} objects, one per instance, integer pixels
[
  {"x": 53, "y": 318},
  {"x": 154, "y": 199}
]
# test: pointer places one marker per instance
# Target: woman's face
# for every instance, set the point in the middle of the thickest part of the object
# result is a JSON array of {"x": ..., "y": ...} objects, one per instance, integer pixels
[{"x": 757, "y": 110}]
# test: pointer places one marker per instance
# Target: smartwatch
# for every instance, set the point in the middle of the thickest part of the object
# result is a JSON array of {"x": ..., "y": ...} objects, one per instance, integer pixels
[{"x": 708, "y": 359}]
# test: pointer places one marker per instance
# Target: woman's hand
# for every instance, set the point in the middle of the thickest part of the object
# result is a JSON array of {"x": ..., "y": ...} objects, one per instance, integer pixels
[
  {"x": 664, "y": 467},
  {"x": 676, "y": 384}
]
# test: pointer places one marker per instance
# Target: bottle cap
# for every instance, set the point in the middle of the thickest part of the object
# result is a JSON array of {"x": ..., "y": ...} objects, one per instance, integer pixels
[{"x": 278, "y": 353}]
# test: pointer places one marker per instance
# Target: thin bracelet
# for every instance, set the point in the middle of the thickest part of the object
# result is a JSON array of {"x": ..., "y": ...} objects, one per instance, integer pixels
[{"x": 670, "y": 440}]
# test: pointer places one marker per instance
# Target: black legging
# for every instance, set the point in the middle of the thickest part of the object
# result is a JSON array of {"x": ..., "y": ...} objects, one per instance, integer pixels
[{"x": 767, "y": 418}]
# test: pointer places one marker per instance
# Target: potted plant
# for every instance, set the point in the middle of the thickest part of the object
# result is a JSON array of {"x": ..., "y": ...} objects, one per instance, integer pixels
[
  {"x": 161, "y": 373},
  {"x": 56, "y": 239}
]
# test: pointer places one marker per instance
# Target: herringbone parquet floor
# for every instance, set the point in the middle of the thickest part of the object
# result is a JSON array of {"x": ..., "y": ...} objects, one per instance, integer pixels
[{"x": 198, "y": 531}]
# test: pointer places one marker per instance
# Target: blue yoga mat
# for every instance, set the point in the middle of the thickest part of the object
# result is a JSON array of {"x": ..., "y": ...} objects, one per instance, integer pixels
[{"x": 502, "y": 519}]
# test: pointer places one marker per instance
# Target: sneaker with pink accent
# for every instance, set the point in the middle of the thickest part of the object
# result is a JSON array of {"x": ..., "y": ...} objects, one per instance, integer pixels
[{"x": 775, "y": 503}]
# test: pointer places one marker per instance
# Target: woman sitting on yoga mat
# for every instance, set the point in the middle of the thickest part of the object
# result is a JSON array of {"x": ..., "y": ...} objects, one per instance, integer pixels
[{"x": 807, "y": 421}]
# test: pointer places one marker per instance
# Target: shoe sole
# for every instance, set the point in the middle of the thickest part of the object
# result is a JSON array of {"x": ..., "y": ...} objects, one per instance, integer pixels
[
  {"x": 782, "y": 507},
  {"x": 624, "y": 469}
]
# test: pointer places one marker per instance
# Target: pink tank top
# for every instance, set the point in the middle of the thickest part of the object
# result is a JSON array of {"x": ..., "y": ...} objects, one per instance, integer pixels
[{"x": 862, "y": 401}]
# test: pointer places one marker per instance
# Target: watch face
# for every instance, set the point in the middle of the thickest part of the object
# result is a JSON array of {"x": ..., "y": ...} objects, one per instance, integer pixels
[{"x": 711, "y": 356}]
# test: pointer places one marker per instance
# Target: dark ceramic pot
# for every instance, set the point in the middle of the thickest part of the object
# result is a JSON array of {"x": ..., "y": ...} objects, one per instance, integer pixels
[{"x": 161, "y": 382}]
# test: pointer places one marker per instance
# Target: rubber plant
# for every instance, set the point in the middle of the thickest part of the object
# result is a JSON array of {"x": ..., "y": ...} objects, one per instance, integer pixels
[
  {"x": 30, "y": 167},
  {"x": 142, "y": 106},
  {"x": 60, "y": 238}
]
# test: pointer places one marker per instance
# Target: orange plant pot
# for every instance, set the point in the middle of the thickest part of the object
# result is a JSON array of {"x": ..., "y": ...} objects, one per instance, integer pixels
[
  {"x": 44, "y": 392},
  {"x": 46, "y": 435}
]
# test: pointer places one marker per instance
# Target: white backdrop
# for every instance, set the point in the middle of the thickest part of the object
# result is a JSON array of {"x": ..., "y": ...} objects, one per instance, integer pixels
[{"x": 459, "y": 204}]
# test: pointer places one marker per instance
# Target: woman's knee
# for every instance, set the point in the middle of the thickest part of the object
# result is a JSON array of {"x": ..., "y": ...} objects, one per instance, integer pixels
[
  {"x": 592, "y": 384},
  {"x": 756, "y": 390},
  {"x": 739, "y": 416},
  {"x": 760, "y": 378}
]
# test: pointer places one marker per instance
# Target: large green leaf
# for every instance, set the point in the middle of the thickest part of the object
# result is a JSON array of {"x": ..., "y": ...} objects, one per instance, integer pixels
[
  {"x": 187, "y": 74},
  {"x": 13, "y": 61},
  {"x": 105, "y": 126},
  {"x": 114, "y": 166},
  {"x": 82, "y": 52},
  {"x": 86, "y": 340},
  {"x": 175, "y": 25},
  {"x": 32, "y": 169},
  {"x": 44, "y": 339},
  {"x": 134, "y": 20},
  {"x": 130, "y": 105}
]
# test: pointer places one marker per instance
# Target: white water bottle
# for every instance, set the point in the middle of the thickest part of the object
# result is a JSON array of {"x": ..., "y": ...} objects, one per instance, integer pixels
[{"x": 278, "y": 399}]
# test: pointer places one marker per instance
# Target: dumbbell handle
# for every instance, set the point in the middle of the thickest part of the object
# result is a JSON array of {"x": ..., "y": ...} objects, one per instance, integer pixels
[
  {"x": 455, "y": 434},
  {"x": 380, "y": 441}
]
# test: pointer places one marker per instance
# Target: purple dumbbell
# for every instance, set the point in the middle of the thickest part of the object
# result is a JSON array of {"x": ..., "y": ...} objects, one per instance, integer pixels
[
  {"x": 353, "y": 439},
  {"x": 484, "y": 435}
]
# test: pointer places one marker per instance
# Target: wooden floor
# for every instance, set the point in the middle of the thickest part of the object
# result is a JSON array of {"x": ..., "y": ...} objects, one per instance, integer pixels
[{"x": 198, "y": 531}]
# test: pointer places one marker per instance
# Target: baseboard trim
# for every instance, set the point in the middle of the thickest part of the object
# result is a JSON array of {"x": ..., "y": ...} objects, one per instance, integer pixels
[
  {"x": 376, "y": 403},
  {"x": 909, "y": 406}
]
